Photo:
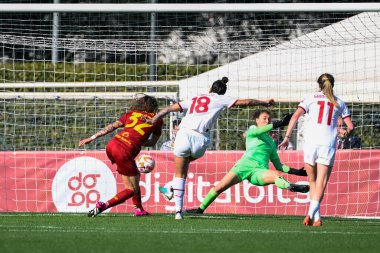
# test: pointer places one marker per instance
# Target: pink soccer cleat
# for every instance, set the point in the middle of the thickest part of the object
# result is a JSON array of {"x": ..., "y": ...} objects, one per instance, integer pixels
[
  {"x": 99, "y": 208},
  {"x": 139, "y": 212}
]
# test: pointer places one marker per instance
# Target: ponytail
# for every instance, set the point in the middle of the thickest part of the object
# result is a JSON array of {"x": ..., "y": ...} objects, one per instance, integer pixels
[{"x": 326, "y": 84}]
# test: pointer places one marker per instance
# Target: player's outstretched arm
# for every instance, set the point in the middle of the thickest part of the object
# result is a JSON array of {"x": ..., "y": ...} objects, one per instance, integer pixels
[
  {"x": 286, "y": 169},
  {"x": 107, "y": 129},
  {"x": 284, "y": 122},
  {"x": 252, "y": 102},
  {"x": 171, "y": 108}
]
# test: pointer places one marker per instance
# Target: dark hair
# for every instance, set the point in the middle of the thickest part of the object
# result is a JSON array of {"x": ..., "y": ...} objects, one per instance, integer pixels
[
  {"x": 145, "y": 103},
  {"x": 219, "y": 86},
  {"x": 176, "y": 122},
  {"x": 257, "y": 113},
  {"x": 326, "y": 84}
]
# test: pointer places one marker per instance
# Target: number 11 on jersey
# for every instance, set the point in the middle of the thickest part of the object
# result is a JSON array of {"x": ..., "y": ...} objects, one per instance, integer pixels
[{"x": 321, "y": 111}]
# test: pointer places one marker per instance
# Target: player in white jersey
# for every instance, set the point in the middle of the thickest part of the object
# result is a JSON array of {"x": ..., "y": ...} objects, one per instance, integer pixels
[
  {"x": 193, "y": 136},
  {"x": 324, "y": 109}
]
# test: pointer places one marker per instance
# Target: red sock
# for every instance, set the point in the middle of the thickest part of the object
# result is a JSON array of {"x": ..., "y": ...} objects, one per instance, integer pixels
[
  {"x": 120, "y": 197},
  {"x": 136, "y": 200}
]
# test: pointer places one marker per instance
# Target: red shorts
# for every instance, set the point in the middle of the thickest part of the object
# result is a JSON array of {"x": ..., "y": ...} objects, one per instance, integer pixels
[{"x": 123, "y": 157}]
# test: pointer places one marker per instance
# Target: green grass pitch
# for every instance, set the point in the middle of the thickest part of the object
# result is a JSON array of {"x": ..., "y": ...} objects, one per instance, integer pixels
[{"x": 54, "y": 233}]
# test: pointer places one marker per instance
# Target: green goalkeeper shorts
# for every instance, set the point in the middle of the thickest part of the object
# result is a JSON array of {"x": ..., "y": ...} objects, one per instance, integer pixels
[{"x": 250, "y": 170}]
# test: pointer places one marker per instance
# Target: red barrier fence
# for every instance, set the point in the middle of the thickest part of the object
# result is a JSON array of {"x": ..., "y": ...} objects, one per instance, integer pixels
[{"x": 72, "y": 181}]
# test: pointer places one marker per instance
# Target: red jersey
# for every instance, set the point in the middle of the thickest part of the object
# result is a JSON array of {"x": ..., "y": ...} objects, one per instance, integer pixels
[{"x": 136, "y": 132}]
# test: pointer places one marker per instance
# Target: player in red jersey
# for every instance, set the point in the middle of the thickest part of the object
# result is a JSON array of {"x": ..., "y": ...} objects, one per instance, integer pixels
[{"x": 124, "y": 148}]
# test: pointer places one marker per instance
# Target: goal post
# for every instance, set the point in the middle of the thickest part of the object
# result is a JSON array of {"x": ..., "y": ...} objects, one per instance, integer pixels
[{"x": 101, "y": 64}]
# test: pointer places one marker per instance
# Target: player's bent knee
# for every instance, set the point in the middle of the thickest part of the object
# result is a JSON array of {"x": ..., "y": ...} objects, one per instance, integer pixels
[{"x": 269, "y": 177}]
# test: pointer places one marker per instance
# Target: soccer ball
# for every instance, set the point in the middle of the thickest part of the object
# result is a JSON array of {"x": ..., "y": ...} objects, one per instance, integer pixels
[{"x": 145, "y": 163}]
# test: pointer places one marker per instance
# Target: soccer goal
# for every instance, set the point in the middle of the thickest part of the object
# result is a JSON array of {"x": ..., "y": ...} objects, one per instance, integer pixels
[{"x": 68, "y": 70}]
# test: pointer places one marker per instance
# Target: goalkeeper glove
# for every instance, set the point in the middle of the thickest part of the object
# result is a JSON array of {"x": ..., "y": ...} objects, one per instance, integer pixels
[
  {"x": 283, "y": 122},
  {"x": 300, "y": 172}
]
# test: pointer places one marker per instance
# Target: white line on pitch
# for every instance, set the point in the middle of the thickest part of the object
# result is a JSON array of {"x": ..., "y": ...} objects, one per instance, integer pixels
[{"x": 20, "y": 228}]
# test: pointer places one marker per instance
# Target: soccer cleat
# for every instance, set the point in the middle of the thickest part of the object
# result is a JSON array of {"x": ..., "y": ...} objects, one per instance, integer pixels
[
  {"x": 139, "y": 212},
  {"x": 308, "y": 221},
  {"x": 168, "y": 193},
  {"x": 99, "y": 208},
  {"x": 298, "y": 188},
  {"x": 317, "y": 223},
  {"x": 179, "y": 215},
  {"x": 195, "y": 211}
]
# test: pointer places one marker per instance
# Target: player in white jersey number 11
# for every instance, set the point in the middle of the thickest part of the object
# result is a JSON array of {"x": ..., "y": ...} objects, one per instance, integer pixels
[
  {"x": 324, "y": 109},
  {"x": 193, "y": 136}
]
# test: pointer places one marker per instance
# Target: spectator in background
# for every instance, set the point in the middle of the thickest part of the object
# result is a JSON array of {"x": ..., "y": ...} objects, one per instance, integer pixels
[
  {"x": 277, "y": 137},
  {"x": 342, "y": 142},
  {"x": 353, "y": 141},
  {"x": 169, "y": 145},
  {"x": 290, "y": 146},
  {"x": 275, "y": 134}
]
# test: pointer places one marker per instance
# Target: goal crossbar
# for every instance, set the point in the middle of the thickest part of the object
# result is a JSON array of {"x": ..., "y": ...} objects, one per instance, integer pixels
[
  {"x": 89, "y": 84},
  {"x": 85, "y": 95},
  {"x": 199, "y": 8}
]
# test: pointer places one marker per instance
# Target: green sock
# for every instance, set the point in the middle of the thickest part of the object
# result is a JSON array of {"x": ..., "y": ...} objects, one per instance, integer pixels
[
  {"x": 282, "y": 183},
  {"x": 210, "y": 197}
]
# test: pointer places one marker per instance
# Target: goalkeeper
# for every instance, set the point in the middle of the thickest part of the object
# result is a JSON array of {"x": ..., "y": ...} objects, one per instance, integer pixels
[{"x": 253, "y": 166}]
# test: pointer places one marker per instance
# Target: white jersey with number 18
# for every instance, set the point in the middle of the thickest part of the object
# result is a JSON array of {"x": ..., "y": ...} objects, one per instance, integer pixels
[
  {"x": 321, "y": 129},
  {"x": 203, "y": 111}
]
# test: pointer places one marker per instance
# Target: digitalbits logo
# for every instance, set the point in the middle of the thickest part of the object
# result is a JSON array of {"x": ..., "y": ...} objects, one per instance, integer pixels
[{"x": 81, "y": 182}]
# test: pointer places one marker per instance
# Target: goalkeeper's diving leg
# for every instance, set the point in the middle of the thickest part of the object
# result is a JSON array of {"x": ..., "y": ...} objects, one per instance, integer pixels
[
  {"x": 259, "y": 177},
  {"x": 227, "y": 181}
]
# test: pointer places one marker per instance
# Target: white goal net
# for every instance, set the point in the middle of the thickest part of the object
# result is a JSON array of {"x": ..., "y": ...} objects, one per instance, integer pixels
[{"x": 64, "y": 76}]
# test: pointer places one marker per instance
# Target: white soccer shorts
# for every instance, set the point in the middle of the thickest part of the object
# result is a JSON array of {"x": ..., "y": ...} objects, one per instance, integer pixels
[
  {"x": 319, "y": 154},
  {"x": 189, "y": 143}
]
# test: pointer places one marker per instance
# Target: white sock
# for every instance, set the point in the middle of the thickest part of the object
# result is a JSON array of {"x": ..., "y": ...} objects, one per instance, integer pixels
[
  {"x": 179, "y": 190},
  {"x": 317, "y": 215},
  {"x": 314, "y": 206}
]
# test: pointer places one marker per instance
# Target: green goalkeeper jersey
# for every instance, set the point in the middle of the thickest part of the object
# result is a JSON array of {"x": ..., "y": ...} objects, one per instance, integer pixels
[{"x": 260, "y": 148}]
